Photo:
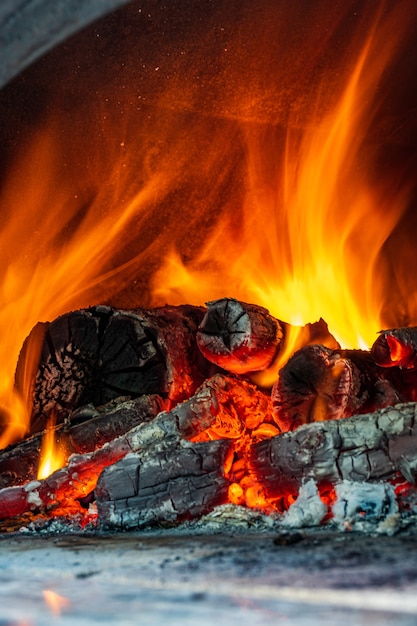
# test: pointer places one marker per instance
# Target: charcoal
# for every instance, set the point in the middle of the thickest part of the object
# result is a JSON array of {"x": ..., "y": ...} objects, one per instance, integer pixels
[
  {"x": 396, "y": 348},
  {"x": 318, "y": 383},
  {"x": 183, "y": 481},
  {"x": 84, "y": 431}
]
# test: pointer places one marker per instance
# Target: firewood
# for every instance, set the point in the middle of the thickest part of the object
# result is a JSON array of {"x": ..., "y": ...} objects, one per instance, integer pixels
[
  {"x": 85, "y": 430},
  {"x": 238, "y": 337},
  {"x": 396, "y": 348},
  {"x": 98, "y": 354},
  {"x": 66, "y": 486},
  {"x": 318, "y": 384},
  {"x": 180, "y": 482},
  {"x": 371, "y": 447}
]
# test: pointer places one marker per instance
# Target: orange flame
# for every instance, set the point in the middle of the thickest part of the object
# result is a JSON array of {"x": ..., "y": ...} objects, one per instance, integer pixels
[
  {"x": 95, "y": 197},
  {"x": 52, "y": 454},
  {"x": 311, "y": 241}
]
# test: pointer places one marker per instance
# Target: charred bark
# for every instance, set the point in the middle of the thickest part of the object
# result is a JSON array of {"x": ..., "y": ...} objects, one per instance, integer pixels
[
  {"x": 183, "y": 481},
  {"x": 65, "y": 487},
  {"x": 84, "y": 431},
  {"x": 75, "y": 481},
  {"x": 238, "y": 337},
  {"x": 222, "y": 407},
  {"x": 319, "y": 384},
  {"x": 96, "y": 355},
  {"x": 377, "y": 446}
]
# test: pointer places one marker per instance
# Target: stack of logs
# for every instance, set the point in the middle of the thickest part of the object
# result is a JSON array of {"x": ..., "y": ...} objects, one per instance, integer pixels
[{"x": 161, "y": 420}]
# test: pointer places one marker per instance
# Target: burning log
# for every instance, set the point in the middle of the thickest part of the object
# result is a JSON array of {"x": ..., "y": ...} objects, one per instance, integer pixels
[
  {"x": 209, "y": 410},
  {"x": 319, "y": 384},
  {"x": 65, "y": 487},
  {"x": 98, "y": 354},
  {"x": 244, "y": 338},
  {"x": 238, "y": 337},
  {"x": 372, "y": 447},
  {"x": 182, "y": 481},
  {"x": 85, "y": 430},
  {"x": 396, "y": 348}
]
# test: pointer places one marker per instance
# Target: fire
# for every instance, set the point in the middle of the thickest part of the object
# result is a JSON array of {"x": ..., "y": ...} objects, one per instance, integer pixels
[
  {"x": 312, "y": 236},
  {"x": 52, "y": 454},
  {"x": 53, "y": 271},
  {"x": 295, "y": 223}
]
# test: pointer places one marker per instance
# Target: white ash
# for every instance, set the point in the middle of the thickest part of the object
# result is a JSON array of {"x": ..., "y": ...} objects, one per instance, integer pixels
[
  {"x": 34, "y": 498},
  {"x": 308, "y": 510},
  {"x": 34, "y": 484},
  {"x": 360, "y": 505},
  {"x": 232, "y": 517}
]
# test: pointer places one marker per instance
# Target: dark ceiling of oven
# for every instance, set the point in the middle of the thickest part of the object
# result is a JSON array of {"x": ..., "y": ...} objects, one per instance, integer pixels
[{"x": 29, "y": 28}]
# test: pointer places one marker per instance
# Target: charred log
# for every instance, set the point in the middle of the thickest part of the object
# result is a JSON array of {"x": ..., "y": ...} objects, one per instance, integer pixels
[
  {"x": 183, "y": 481},
  {"x": 238, "y": 337},
  {"x": 96, "y": 355},
  {"x": 222, "y": 407},
  {"x": 66, "y": 486},
  {"x": 377, "y": 446},
  {"x": 396, "y": 348},
  {"x": 245, "y": 338},
  {"x": 84, "y": 431},
  {"x": 318, "y": 384}
]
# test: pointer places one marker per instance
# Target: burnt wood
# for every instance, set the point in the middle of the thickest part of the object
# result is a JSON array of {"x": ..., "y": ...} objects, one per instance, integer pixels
[
  {"x": 239, "y": 337},
  {"x": 223, "y": 407},
  {"x": 96, "y": 355},
  {"x": 183, "y": 481},
  {"x": 371, "y": 447},
  {"x": 209, "y": 410},
  {"x": 64, "y": 488},
  {"x": 85, "y": 430},
  {"x": 396, "y": 348},
  {"x": 318, "y": 383}
]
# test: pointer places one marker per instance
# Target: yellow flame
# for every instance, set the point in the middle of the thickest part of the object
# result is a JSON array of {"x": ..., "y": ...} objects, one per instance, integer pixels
[
  {"x": 52, "y": 455},
  {"x": 92, "y": 202},
  {"x": 293, "y": 340},
  {"x": 311, "y": 237}
]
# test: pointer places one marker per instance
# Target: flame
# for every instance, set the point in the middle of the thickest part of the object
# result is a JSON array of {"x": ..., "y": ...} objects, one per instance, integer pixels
[
  {"x": 55, "y": 602},
  {"x": 312, "y": 237},
  {"x": 98, "y": 192},
  {"x": 52, "y": 454},
  {"x": 55, "y": 270}
]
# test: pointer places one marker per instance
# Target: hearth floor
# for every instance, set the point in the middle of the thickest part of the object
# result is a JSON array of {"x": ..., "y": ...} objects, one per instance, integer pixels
[{"x": 317, "y": 577}]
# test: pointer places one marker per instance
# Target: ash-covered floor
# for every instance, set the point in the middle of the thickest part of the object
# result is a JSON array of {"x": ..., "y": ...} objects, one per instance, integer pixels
[{"x": 314, "y": 576}]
